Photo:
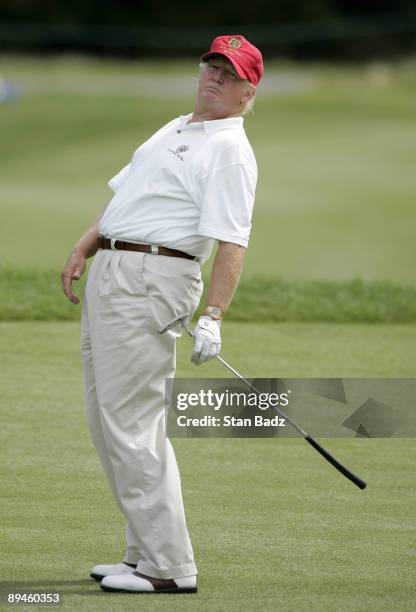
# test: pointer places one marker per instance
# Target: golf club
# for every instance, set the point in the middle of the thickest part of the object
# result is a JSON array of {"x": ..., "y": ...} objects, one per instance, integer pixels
[{"x": 337, "y": 465}]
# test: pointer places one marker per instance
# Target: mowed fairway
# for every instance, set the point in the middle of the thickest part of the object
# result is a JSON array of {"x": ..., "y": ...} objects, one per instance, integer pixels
[{"x": 273, "y": 525}]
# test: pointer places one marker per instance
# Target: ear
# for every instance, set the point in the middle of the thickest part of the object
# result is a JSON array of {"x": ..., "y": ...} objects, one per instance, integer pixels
[{"x": 248, "y": 95}]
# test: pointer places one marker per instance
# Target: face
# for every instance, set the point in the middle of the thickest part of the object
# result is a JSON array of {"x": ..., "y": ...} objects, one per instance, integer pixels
[{"x": 221, "y": 90}]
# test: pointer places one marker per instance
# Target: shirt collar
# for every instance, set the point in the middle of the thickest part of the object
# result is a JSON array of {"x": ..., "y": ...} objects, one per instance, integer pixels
[{"x": 214, "y": 125}]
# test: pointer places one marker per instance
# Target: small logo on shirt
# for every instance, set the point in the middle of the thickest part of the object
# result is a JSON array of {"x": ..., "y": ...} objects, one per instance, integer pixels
[{"x": 179, "y": 150}]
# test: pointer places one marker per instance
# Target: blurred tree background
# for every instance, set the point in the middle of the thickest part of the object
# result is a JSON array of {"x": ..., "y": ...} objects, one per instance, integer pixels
[{"x": 303, "y": 30}]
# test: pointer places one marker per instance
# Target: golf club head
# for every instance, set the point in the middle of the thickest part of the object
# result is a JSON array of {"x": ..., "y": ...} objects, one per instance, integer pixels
[{"x": 170, "y": 324}]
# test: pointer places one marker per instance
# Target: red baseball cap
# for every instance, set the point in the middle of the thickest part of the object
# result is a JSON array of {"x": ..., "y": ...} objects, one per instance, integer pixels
[{"x": 244, "y": 56}]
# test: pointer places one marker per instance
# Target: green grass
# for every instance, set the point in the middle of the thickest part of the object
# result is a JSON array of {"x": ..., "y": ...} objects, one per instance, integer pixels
[
  {"x": 336, "y": 186},
  {"x": 273, "y": 526},
  {"x": 36, "y": 294}
]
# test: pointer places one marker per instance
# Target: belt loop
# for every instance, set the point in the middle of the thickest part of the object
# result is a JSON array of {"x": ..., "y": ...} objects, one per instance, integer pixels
[
  {"x": 112, "y": 243},
  {"x": 154, "y": 249}
]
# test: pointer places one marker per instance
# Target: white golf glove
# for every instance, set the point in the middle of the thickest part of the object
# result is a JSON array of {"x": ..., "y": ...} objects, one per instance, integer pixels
[{"x": 207, "y": 340}]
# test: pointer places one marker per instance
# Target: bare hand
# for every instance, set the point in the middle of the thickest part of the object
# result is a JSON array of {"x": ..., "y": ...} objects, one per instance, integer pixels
[{"x": 73, "y": 270}]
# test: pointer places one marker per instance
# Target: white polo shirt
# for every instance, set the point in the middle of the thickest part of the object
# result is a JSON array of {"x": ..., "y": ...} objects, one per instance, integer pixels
[{"x": 189, "y": 184}]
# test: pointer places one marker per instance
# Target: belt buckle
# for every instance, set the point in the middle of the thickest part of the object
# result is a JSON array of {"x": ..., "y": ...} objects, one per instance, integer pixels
[
  {"x": 112, "y": 243},
  {"x": 154, "y": 249}
]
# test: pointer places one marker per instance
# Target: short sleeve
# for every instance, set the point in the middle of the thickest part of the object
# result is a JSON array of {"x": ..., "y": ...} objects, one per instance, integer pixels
[
  {"x": 116, "y": 182},
  {"x": 227, "y": 199}
]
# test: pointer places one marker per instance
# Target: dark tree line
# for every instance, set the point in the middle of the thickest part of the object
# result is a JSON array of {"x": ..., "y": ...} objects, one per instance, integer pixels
[
  {"x": 190, "y": 13},
  {"x": 298, "y": 28}
]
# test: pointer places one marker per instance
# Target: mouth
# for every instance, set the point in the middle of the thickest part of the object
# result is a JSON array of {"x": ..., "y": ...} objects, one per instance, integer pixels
[{"x": 213, "y": 89}]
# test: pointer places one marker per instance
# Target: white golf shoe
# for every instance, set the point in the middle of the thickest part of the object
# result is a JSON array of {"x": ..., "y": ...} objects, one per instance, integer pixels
[
  {"x": 139, "y": 583},
  {"x": 98, "y": 572}
]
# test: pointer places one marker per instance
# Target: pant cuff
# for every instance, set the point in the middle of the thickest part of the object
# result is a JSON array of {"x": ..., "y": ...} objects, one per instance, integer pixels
[
  {"x": 181, "y": 571},
  {"x": 133, "y": 560}
]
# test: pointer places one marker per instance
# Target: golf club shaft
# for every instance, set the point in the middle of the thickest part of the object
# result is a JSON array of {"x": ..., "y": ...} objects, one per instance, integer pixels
[
  {"x": 278, "y": 410},
  {"x": 361, "y": 484},
  {"x": 341, "y": 468}
]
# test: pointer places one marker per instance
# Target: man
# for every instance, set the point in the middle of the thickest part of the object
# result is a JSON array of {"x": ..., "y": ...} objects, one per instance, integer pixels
[{"x": 193, "y": 182}]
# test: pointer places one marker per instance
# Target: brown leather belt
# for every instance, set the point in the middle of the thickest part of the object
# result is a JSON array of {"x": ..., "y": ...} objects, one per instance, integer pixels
[{"x": 107, "y": 243}]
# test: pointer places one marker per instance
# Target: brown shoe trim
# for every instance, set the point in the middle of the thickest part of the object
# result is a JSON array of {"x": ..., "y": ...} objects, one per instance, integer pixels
[
  {"x": 158, "y": 583},
  {"x": 130, "y": 564}
]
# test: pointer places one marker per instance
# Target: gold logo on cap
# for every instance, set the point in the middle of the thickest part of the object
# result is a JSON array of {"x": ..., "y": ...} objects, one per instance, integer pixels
[{"x": 235, "y": 43}]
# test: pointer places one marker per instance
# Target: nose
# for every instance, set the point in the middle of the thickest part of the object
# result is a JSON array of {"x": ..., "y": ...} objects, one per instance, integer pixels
[{"x": 219, "y": 78}]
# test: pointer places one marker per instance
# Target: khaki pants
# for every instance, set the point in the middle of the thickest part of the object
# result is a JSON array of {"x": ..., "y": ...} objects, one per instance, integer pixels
[{"x": 128, "y": 297}]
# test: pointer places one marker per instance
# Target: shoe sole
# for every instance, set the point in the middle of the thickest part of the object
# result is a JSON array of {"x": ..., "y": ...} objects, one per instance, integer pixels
[
  {"x": 113, "y": 590},
  {"x": 97, "y": 577}
]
